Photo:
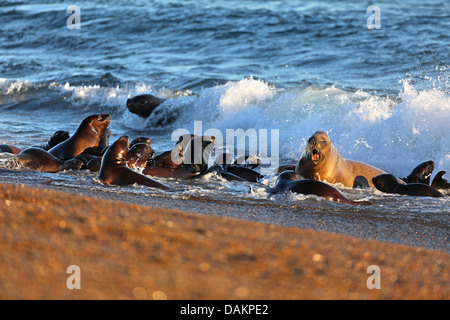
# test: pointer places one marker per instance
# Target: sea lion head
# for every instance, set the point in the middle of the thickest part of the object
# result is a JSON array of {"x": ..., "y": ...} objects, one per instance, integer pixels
[
  {"x": 58, "y": 137},
  {"x": 97, "y": 122},
  {"x": 138, "y": 155},
  {"x": 421, "y": 173},
  {"x": 385, "y": 182},
  {"x": 318, "y": 146}
]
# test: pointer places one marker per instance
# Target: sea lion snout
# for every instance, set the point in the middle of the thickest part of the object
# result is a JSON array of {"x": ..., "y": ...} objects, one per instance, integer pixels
[{"x": 105, "y": 117}]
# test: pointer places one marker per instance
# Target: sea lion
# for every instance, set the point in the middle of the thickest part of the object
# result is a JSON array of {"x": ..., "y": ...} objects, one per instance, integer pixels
[
  {"x": 94, "y": 164},
  {"x": 39, "y": 159},
  {"x": 389, "y": 184},
  {"x": 9, "y": 149},
  {"x": 292, "y": 181},
  {"x": 57, "y": 137},
  {"x": 138, "y": 155},
  {"x": 421, "y": 173},
  {"x": 193, "y": 161},
  {"x": 143, "y": 105},
  {"x": 114, "y": 169},
  {"x": 321, "y": 161},
  {"x": 439, "y": 182},
  {"x": 88, "y": 134}
]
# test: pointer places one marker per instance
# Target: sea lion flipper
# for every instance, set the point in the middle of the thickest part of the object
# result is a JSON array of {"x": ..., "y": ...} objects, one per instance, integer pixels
[{"x": 439, "y": 182}]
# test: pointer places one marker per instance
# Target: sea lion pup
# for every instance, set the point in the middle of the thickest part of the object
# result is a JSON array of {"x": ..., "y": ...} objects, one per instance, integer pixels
[
  {"x": 88, "y": 134},
  {"x": 9, "y": 149},
  {"x": 114, "y": 169},
  {"x": 291, "y": 181},
  {"x": 57, "y": 137},
  {"x": 389, "y": 184},
  {"x": 39, "y": 159},
  {"x": 192, "y": 162},
  {"x": 321, "y": 161},
  {"x": 143, "y": 105},
  {"x": 421, "y": 173},
  {"x": 439, "y": 182}
]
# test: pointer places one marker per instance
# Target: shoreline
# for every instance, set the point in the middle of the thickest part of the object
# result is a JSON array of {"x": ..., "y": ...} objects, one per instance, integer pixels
[{"x": 129, "y": 251}]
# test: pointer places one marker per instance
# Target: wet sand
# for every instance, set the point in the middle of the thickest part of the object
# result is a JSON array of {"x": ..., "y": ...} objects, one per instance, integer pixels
[{"x": 129, "y": 251}]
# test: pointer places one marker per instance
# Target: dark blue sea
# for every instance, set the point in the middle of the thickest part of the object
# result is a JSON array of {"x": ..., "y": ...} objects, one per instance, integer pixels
[{"x": 383, "y": 95}]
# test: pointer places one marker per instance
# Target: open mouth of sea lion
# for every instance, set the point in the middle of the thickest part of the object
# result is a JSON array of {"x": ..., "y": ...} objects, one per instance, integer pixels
[{"x": 316, "y": 155}]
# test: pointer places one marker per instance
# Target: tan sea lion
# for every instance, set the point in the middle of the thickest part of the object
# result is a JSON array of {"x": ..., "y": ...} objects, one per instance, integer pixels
[
  {"x": 321, "y": 161},
  {"x": 89, "y": 134},
  {"x": 114, "y": 169},
  {"x": 39, "y": 159},
  {"x": 292, "y": 181}
]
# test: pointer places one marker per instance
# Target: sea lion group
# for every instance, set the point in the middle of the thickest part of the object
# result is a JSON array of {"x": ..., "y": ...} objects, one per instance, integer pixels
[{"x": 135, "y": 162}]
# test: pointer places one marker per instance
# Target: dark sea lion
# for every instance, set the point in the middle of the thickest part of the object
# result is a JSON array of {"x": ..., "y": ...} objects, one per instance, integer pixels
[
  {"x": 193, "y": 161},
  {"x": 89, "y": 134},
  {"x": 94, "y": 164},
  {"x": 389, "y": 184},
  {"x": 138, "y": 155},
  {"x": 439, "y": 182},
  {"x": 361, "y": 183},
  {"x": 57, "y": 137},
  {"x": 421, "y": 173},
  {"x": 321, "y": 161},
  {"x": 245, "y": 173},
  {"x": 292, "y": 181},
  {"x": 143, "y": 105},
  {"x": 9, "y": 149},
  {"x": 114, "y": 169},
  {"x": 39, "y": 159}
]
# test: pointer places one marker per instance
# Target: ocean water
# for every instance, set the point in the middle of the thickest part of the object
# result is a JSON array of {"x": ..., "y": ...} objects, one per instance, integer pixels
[{"x": 383, "y": 95}]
